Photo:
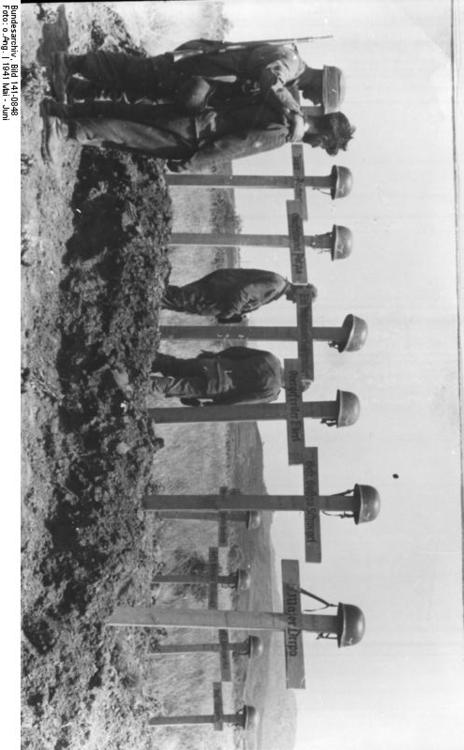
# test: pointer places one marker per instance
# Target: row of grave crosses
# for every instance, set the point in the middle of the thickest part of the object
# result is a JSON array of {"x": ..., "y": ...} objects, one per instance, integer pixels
[{"x": 362, "y": 503}]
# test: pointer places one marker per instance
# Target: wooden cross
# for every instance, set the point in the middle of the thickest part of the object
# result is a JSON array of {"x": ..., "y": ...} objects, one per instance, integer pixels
[
  {"x": 338, "y": 242},
  {"x": 251, "y": 647},
  {"x": 240, "y": 579},
  {"x": 246, "y": 718},
  {"x": 342, "y": 412},
  {"x": 338, "y": 182},
  {"x": 349, "y": 337},
  {"x": 362, "y": 503},
  {"x": 347, "y": 626}
]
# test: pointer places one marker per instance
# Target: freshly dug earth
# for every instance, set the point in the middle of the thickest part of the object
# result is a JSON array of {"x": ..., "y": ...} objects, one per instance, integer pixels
[
  {"x": 95, "y": 233},
  {"x": 95, "y": 228},
  {"x": 84, "y": 534}
]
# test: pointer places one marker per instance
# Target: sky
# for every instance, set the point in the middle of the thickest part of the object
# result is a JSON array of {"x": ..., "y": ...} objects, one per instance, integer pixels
[{"x": 403, "y": 686}]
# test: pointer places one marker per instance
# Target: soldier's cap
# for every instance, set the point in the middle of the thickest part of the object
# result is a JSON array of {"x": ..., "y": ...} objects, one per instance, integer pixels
[{"x": 333, "y": 88}]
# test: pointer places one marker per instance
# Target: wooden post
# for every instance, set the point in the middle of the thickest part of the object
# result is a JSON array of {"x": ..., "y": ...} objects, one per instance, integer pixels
[
  {"x": 342, "y": 412},
  {"x": 156, "y": 617},
  {"x": 240, "y": 413},
  {"x": 298, "y": 181}
]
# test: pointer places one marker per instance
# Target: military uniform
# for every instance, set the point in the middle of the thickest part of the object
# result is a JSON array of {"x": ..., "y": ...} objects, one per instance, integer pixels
[
  {"x": 265, "y": 67},
  {"x": 237, "y": 375},
  {"x": 199, "y": 141},
  {"x": 228, "y": 293}
]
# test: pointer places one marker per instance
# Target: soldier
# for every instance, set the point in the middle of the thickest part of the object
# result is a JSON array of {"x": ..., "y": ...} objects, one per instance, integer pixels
[
  {"x": 237, "y": 375},
  {"x": 230, "y": 293},
  {"x": 210, "y": 72},
  {"x": 191, "y": 143}
]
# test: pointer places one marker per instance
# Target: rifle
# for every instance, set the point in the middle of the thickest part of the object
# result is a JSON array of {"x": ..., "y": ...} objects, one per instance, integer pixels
[{"x": 200, "y": 46}]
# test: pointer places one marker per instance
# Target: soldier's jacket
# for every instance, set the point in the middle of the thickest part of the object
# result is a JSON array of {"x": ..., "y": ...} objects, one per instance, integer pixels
[
  {"x": 239, "y": 131},
  {"x": 240, "y": 375},
  {"x": 227, "y": 293},
  {"x": 271, "y": 67}
]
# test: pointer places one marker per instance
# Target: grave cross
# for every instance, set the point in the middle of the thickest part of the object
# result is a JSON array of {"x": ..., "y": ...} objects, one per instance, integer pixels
[
  {"x": 362, "y": 503},
  {"x": 339, "y": 182},
  {"x": 347, "y": 626},
  {"x": 251, "y": 647},
  {"x": 349, "y": 337},
  {"x": 338, "y": 242},
  {"x": 342, "y": 412},
  {"x": 246, "y": 718},
  {"x": 241, "y": 579}
]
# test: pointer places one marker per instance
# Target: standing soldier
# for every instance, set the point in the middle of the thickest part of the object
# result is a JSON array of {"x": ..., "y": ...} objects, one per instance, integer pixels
[
  {"x": 229, "y": 294},
  {"x": 208, "y": 72},
  {"x": 190, "y": 142}
]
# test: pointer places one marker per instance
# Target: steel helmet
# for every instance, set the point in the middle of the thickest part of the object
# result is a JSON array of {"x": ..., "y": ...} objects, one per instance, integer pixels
[
  {"x": 348, "y": 408},
  {"x": 355, "y": 334},
  {"x": 366, "y": 501},
  {"x": 342, "y": 182},
  {"x": 351, "y": 625},
  {"x": 342, "y": 242}
]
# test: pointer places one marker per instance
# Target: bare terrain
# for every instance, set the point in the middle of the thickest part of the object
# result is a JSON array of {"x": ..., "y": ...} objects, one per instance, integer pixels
[{"x": 95, "y": 258}]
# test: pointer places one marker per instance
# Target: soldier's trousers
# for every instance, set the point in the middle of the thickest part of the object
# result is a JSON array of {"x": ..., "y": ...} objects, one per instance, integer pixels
[
  {"x": 116, "y": 73},
  {"x": 187, "y": 378},
  {"x": 139, "y": 127}
]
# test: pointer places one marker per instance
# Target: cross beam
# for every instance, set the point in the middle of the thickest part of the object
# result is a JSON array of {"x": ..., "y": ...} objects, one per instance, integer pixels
[{"x": 347, "y": 626}]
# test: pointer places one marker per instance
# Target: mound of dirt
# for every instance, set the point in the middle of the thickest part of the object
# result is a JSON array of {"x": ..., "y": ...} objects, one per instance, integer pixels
[
  {"x": 98, "y": 446},
  {"x": 94, "y": 247}
]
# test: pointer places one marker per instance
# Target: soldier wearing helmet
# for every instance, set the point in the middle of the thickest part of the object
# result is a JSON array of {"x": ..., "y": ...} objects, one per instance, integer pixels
[{"x": 213, "y": 72}]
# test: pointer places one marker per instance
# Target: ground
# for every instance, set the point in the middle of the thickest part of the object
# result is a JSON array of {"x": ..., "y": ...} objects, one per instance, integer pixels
[
  {"x": 94, "y": 243},
  {"x": 95, "y": 258}
]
